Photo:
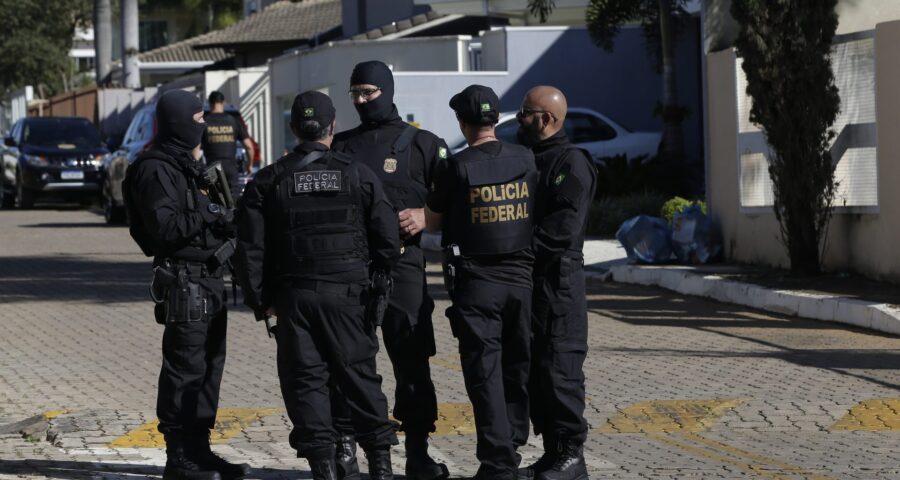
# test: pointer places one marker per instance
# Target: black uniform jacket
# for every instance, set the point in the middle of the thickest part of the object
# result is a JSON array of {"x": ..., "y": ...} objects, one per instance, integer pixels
[
  {"x": 565, "y": 191},
  {"x": 253, "y": 259},
  {"x": 173, "y": 215}
]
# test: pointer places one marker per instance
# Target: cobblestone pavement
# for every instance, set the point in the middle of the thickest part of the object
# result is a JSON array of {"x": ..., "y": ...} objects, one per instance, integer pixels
[{"x": 678, "y": 387}]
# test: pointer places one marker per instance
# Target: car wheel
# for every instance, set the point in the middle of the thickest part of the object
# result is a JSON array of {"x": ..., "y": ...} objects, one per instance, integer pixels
[
  {"x": 7, "y": 198},
  {"x": 24, "y": 196}
]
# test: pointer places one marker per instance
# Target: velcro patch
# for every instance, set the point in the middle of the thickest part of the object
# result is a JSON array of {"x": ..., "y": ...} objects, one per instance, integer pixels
[{"x": 312, "y": 181}]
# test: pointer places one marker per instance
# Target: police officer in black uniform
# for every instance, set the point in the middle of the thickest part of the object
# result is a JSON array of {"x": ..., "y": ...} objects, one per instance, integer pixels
[
  {"x": 484, "y": 198},
  {"x": 173, "y": 220},
  {"x": 219, "y": 141},
  {"x": 405, "y": 158},
  {"x": 559, "y": 308},
  {"x": 310, "y": 228}
]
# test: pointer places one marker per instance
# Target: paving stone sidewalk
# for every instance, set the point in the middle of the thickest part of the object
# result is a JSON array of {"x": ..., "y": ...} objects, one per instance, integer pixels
[{"x": 678, "y": 387}]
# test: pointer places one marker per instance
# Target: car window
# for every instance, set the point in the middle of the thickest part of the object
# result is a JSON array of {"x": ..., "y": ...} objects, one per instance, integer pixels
[
  {"x": 55, "y": 132},
  {"x": 16, "y": 133},
  {"x": 506, "y": 131},
  {"x": 584, "y": 128}
]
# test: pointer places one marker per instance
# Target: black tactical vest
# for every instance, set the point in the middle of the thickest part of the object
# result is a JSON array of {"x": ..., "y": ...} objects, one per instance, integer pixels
[
  {"x": 493, "y": 208},
  {"x": 391, "y": 163},
  {"x": 318, "y": 216}
]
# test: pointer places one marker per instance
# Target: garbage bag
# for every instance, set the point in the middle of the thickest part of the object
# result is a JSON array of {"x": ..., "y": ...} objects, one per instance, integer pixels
[
  {"x": 694, "y": 237},
  {"x": 646, "y": 239}
]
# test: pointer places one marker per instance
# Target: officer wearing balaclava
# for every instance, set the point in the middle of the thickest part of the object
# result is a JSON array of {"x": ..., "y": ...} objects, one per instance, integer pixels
[
  {"x": 173, "y": 221},
  {"x": 404, "y": 158}
]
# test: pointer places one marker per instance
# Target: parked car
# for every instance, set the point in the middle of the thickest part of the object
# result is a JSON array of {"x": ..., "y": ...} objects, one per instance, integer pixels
[
  {"x": 50, "y": 157},
  {"x": 592, "y": 131},
  {"x": 136, "y": 139}
]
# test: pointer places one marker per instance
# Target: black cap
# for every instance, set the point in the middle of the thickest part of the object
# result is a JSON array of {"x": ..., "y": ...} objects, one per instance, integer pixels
[
  {"x": 312, "y": 105},
  {"x": 476, "y": 105}
]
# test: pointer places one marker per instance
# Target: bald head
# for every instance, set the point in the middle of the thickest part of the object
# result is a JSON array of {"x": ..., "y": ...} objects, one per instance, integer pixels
[{"x": 543, "y": 113}]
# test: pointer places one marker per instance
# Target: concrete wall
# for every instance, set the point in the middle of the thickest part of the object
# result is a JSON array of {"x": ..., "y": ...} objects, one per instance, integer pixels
[
  {"x": 860, "y": 241},
  {"x": 623, "y": 84}
]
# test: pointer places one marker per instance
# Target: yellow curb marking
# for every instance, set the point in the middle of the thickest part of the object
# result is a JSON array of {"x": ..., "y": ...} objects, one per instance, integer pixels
[
  {"x": 50, "y": 415},
  {"x": 229, "y": 422},
  {"x": 448, "y": 363},
  {"x": 455, "y": 419},
  {"x": 876, "y": 415},
  {"x": 662, "y": 416}
]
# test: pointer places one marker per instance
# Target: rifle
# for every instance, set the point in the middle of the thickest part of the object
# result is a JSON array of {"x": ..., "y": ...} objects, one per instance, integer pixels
[{"x": 216, "y": 183}]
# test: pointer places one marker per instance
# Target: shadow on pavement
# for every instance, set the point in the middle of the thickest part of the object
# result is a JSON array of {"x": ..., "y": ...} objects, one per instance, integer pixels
[
  {"x": 653, "y": 306},
  {"x": 70, "y": 225},
  {"x": 79, "y": 470},
  {"x": 68, "y": 278}
]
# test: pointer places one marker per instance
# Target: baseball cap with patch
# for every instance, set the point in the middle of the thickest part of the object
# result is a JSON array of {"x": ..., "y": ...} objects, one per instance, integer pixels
[
  {"x": 312, "y": 105},
  {"x": 477, "y": 104}
]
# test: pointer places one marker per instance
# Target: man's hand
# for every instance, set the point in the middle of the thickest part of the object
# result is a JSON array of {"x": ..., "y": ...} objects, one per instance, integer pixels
[
  {"x": 271, "y": 312},
  {"x": 412, "y": 221}
]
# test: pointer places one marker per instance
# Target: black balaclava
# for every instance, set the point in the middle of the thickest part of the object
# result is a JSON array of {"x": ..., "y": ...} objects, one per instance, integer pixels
[
  {"x": 381, "y": 109},
  {"x": 176, "y": 129}
]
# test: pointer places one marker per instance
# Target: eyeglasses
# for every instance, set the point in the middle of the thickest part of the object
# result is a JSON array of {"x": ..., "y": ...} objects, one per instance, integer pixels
[
  {"x": 524, "y": 112},
  {"x": 362, "y": 92}
]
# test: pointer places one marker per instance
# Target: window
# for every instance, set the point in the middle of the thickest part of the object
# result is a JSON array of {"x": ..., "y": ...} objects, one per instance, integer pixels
[
  {"x": 53, "y": 132},
  {"x": 584, "y": 128}
]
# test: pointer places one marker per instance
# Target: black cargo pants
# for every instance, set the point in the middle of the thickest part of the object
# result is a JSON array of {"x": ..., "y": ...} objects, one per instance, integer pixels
[
  {"x": 559, "y": 324},
  {"x": 323, "y": 336},
  {"x": 408, "y": 334},
  {"x": 193, "y": 361},
  {"x": 492, "y": 322}
]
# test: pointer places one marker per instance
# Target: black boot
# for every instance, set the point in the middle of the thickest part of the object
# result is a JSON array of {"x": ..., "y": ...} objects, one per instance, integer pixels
[
  {"x": 179, "y": 466},
  {"x": 420, "y": 465},
  {"x": 345, "y": 458},
  {"x": 380, "y": 464},
  {"x": 569, "y": 463},
  {"x": 323, "y": 468},
  {"x": 198, "y": 450},
  {"x": 547, "y": 459}
]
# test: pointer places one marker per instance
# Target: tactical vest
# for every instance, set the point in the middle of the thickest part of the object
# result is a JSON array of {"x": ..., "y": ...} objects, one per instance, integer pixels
[
  {"x": 319, "y": 217},
  {"x": 492, "y": 210},
  {"x": 391, "y": 162}
]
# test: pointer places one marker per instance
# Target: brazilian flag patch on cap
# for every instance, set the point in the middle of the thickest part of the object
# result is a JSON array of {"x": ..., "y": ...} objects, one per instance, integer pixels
[
  {"x": 485, "y": 107},
  {"x": 309, "y": 112}
]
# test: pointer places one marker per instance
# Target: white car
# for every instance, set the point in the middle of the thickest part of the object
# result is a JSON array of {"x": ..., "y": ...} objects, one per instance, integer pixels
[{"x": 592, "y": 131}]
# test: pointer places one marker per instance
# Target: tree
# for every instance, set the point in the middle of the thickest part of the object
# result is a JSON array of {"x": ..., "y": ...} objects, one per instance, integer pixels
[
  {"x": 785, "y": 46},
  {"x": 659, "y": 20},
  {"x": 35, "y": 41}
]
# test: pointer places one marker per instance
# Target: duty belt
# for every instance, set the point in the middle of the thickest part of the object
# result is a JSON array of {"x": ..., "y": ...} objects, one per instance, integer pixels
[{"x": 318, "y": 286}]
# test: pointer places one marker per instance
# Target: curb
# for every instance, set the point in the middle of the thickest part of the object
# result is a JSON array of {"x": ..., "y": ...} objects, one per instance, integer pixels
[{"x": 859, "y": 313}]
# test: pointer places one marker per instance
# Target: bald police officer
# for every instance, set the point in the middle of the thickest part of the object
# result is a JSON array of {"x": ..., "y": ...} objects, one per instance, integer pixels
[
  {"x": 559, "y": 308},
  {"x": 309, "y": 229},
  {"x": 484, "y": 199},
  {"x": 405, "y": 158}
]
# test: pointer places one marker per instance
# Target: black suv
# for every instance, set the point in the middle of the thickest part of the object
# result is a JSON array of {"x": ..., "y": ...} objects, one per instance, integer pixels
[{"x": 54, "y": 157}]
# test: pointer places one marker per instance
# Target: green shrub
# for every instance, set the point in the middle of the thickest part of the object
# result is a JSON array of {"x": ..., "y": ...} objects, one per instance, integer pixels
[
  {"x": 608, "y": 213},
  {"x": 677, "y": 205}
]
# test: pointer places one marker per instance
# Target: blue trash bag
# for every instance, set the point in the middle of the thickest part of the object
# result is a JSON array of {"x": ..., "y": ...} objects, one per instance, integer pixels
[
  {"x": 646, "y": 239},
  {"x": 694, "y": 237}
]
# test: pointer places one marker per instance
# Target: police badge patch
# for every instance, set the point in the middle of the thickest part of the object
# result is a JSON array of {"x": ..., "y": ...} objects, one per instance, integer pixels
[
  {"x": 312, "y": 181},
  {"x": 390, "y": 165}
]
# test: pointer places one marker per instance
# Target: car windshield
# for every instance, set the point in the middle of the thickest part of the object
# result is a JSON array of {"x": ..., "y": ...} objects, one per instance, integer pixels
[{"x": 60, "y": 133}]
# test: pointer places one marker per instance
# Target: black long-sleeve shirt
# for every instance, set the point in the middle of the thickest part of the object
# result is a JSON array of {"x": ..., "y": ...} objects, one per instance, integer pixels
[
  {"x": 254, "y": 259},
  {"x": 565, "y": 191},
  {"x": 173, "y": 213}
]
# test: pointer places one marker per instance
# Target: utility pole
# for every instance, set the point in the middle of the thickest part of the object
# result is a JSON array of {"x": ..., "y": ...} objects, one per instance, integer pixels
[
  {"x": 102, "y": 40},
  {"x": 131, "y": 77}
]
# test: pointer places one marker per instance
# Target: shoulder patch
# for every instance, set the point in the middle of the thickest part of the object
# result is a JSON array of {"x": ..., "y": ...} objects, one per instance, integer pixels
[
  {"x": 442, "y": 153},
  {"x": 314, "y": 181}
]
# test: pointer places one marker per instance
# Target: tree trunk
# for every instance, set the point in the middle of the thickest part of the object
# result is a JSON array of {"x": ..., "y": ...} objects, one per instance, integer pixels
[
  {"x": 673, "y": 139},
  {"x": 102, "y": 40},
  {"x": 131, "y": 76}
]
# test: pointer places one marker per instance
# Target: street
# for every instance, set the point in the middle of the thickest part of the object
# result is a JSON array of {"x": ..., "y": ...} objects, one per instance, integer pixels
[{"x": 677, "y": 387}]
